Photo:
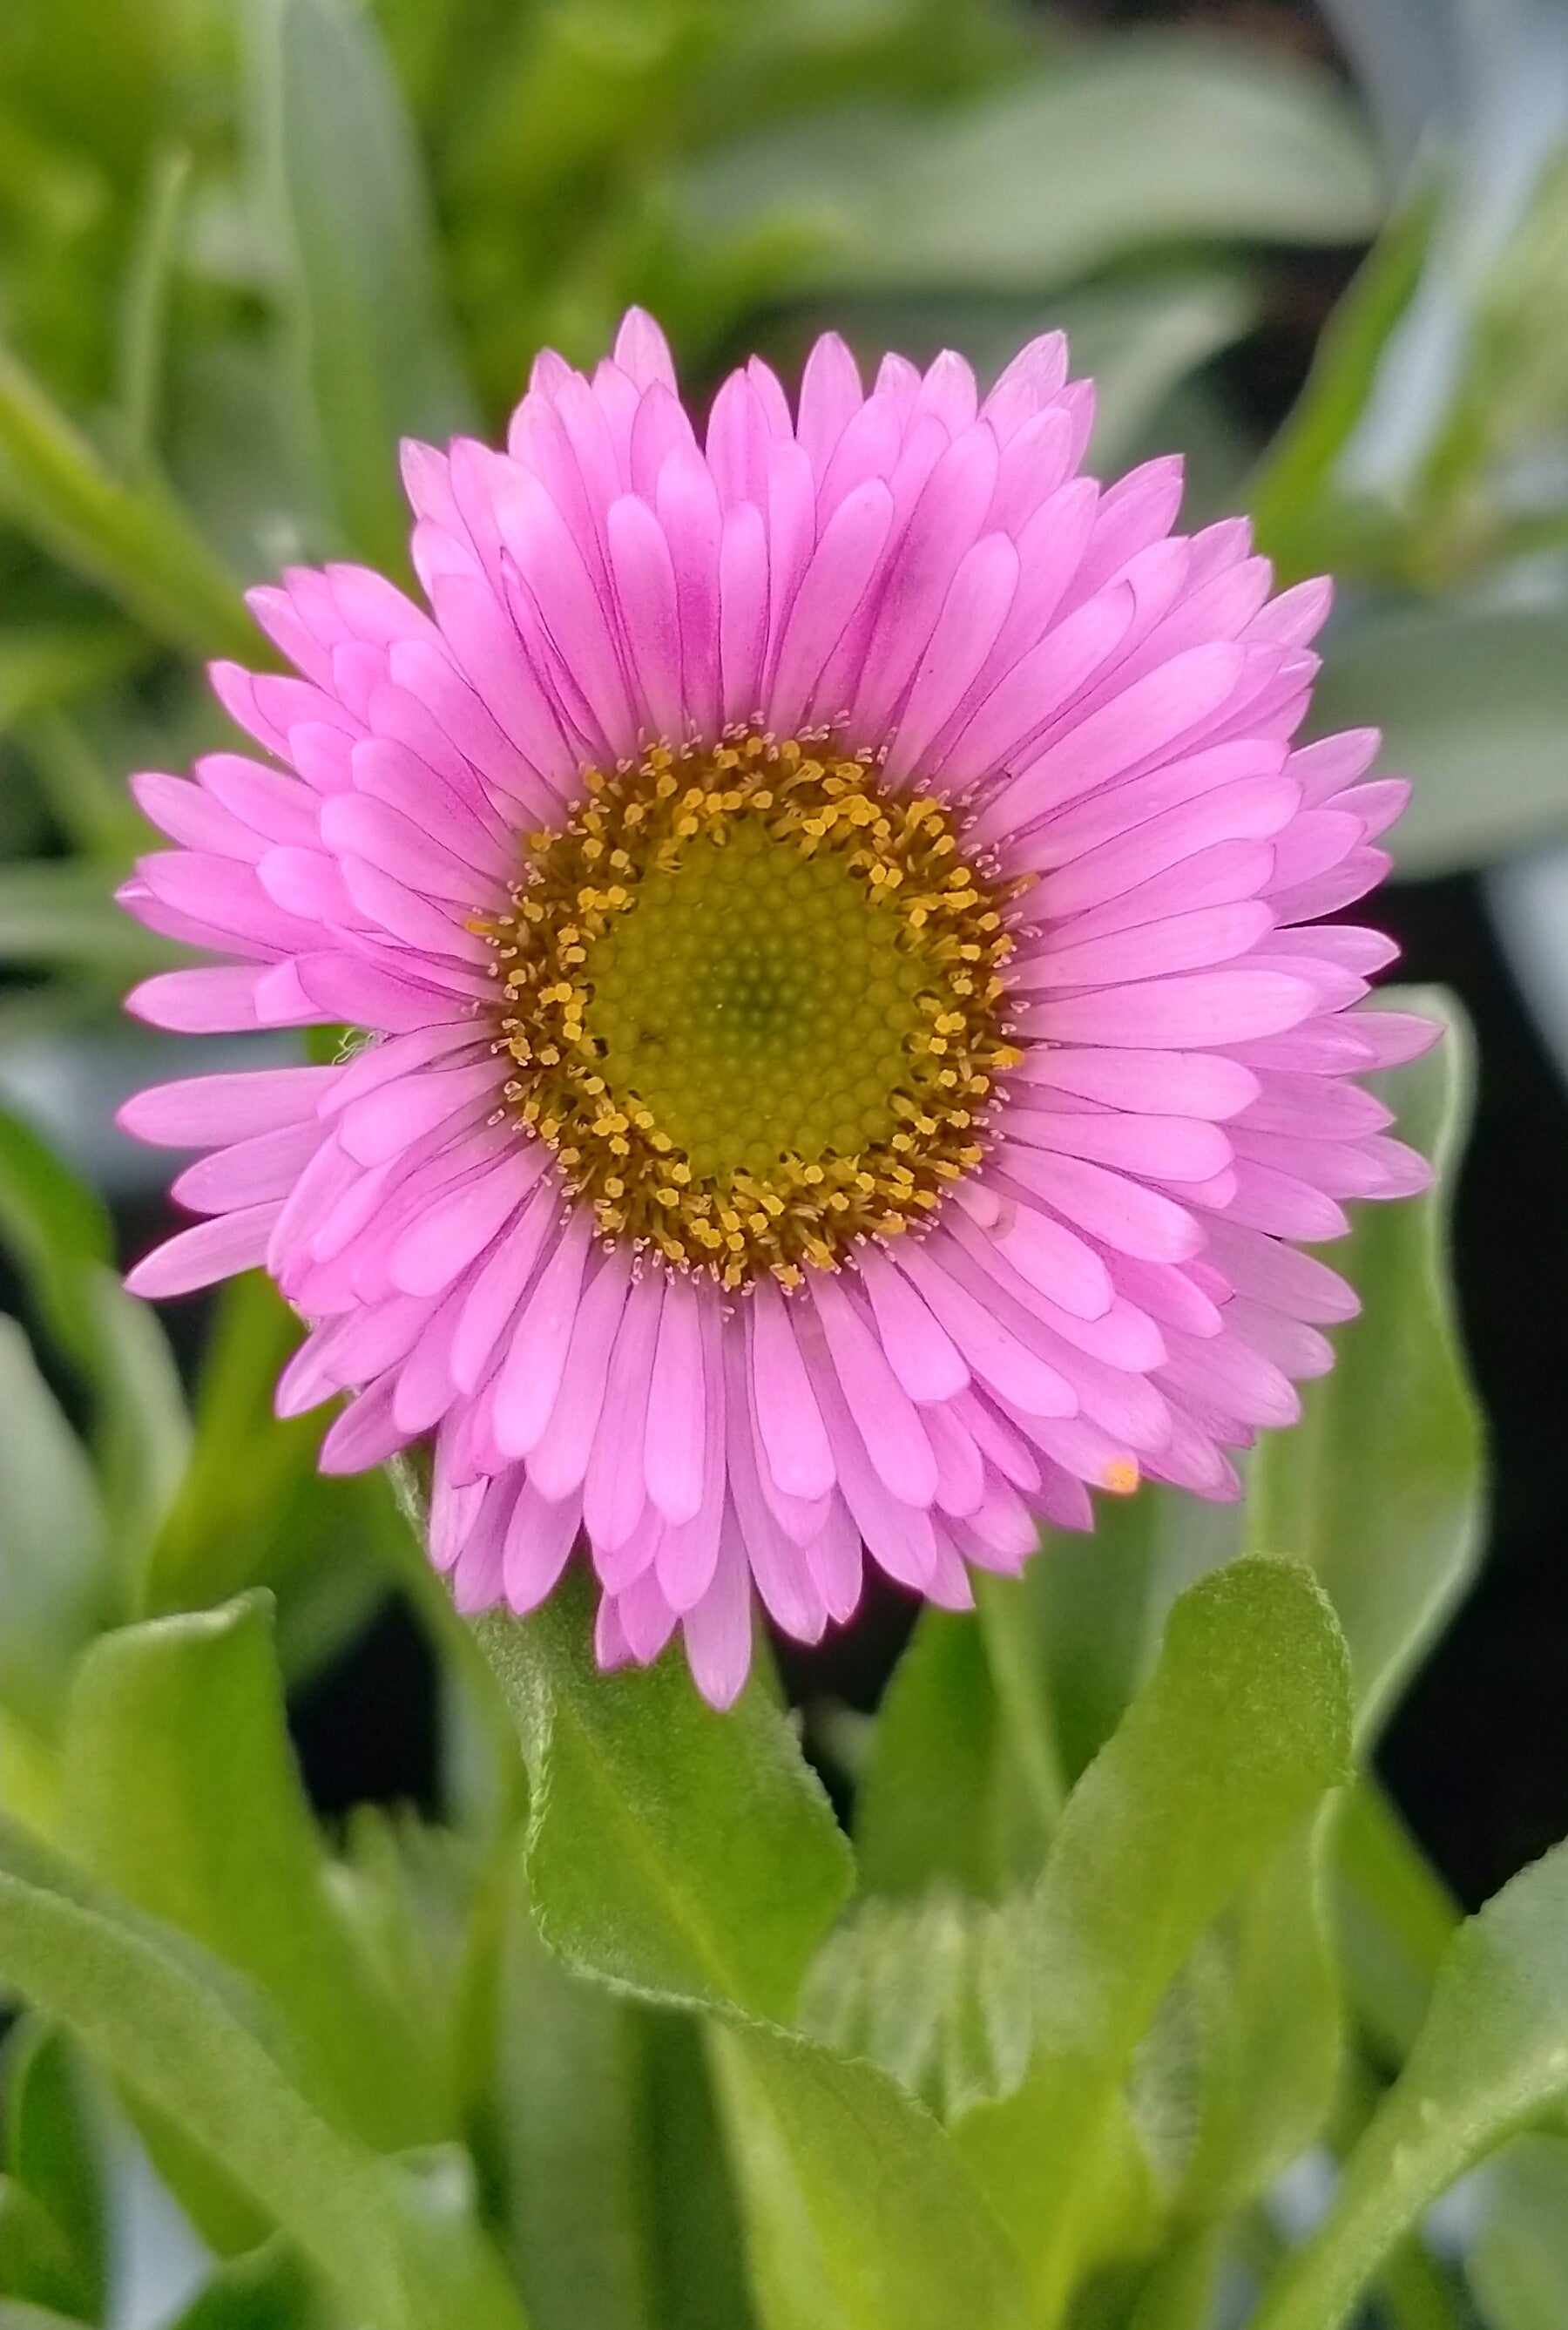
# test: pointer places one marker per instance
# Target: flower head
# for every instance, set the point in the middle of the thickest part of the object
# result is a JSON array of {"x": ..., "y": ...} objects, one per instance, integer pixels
[{"x": 850, "y": 1064}]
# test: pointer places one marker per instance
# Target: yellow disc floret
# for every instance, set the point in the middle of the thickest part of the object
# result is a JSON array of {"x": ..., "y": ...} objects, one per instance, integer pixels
[{"x": 754, "y": 1001}]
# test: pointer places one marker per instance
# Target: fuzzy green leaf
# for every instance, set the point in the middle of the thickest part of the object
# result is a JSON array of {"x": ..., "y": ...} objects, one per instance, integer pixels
[
  {"x": 180, "y": 1790},
  {"x": 859, "y": 2214},
  {"x": 946, "y": 1795},
  {"x": 1243, "y": 1728},
  {"x": 1518, "y": 2265},
  {"x": 398, "y": 2240},
  {"x": 53, "y": 1547},
  {"x": 1380, "y": 1485},
  {"x": 51, "y": 2153},
  {"x": 58, "y": 1231},
  {"x": 685, "y": 1854},
  {"x": 935, "y": 1990},
  {"x": 1491, "y": 2057},
  {"x": 619, "y": 2207}
]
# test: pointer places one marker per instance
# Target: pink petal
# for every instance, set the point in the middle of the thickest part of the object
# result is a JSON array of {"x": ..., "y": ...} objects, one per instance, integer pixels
[
  {"x": 880, "y": 1410},
  {"x": 673, "y": 1437},
  {"x": 615, "y": 1489},
  {"x": 535, "y": 1360},
  {"x": 200, "y": 1257},
  {"x": 206, "y": 1112}
]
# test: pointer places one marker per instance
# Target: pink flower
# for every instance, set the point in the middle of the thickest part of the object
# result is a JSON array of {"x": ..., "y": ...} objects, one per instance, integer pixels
[{"x": 851, "y": 1063}]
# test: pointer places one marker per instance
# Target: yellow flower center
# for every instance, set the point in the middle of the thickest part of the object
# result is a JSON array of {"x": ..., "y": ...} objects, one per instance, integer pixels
[{"x": 755, "y": 1004}]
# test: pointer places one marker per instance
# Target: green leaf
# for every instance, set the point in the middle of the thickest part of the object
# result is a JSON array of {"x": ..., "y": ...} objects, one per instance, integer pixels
[
  {"x": 58, "y": 1231},
  {"x": 397, "y": 2239},
  {"x": 697, "y": 2239},
  {"x": 1394, "y": 1918},
  {"x": 145, "y": 306},
  {"x": 935, "y": 1990},
  {"x": 54, "y": 1591},
  {"x": 252, "y": 1509},
  {"x": 685, "y": 1854},
  {"x": 136, "y": 543},
  {"x": 1491, "y": 2057},
  {"x": 267, "y": 2288},
  {"x": 858, "y": 2213},
  {"x": 35, "y": 2259},
  {"x": 1470, "y": 703},
  {"x": 1179, "y": 2293},
  {"x": 361, "y": 291},
  {"x": 1300, "y": 520},
  {"x": 55, "y": 1226},
  {"x": 621, "y": 2212},
  {"x": 180, "y": 1790},
  {"x": 1380, "y": 1485},
  {"x": 1263, "y": 2000},
  {"x": 944, "y": 1794},
  {"x": 1129, "y": 143},
  {"x": 1518, "y": 2265},
  {"x": 1102, "y": 1603},
  {"x": 1243, "y": 1727},
  {"x": 51, "y": 2153}
]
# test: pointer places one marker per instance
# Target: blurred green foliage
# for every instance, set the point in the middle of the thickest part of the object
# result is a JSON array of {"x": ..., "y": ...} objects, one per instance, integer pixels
[{"x": 604, "y": 2048}]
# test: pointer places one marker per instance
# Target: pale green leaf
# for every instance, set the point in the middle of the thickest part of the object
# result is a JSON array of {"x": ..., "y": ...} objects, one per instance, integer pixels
[
  {"x": 935, "y": 1990},
  {"x": 691, "y": 1856},
  {"x": 1260, "y": 2000},
  {"x": 944, "y": 1794},
  {"x": 671, "y": 1849},
  {"x": 1491, "y": 2057},
  {"x": 1301, "y": 520},
  {"x": 1243, "y": 1728},
  {"x": 1138, "y": 342},
  {"x": 1380, "y": 1485},
  {"x": 58, "y": 1232},
  {"x": 398, "y": 2240},
  {"x": 859, "y": 2214},
  {"x": 267, "y": 2288},
  {"x": 619, "y": 2201},
  {"x": 51, "y": 2152},
  {"x": 1518, "y": 2265},
  {"x": 54, "y": 1587},
  {"x": 180, "y": 1790},
  {"x": 1102, "y": 1602},
  {"x": 145, "y": 306}
]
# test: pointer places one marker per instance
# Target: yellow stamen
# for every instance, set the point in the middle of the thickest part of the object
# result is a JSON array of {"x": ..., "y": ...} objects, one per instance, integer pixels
[{"x": 776, "y": 1032}]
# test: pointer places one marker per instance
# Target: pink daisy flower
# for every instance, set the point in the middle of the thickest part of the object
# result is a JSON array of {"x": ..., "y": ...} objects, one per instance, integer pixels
[{"x": 851, "y": 1061}]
